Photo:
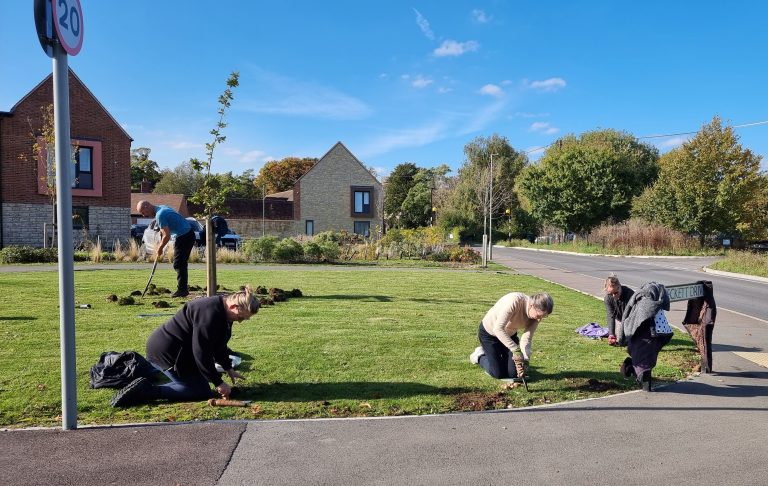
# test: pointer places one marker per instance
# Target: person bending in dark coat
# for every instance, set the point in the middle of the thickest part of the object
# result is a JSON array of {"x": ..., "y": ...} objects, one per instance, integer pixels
[
  {"x": 616, "y": 298},
  {"x": 187, "y": 347}
]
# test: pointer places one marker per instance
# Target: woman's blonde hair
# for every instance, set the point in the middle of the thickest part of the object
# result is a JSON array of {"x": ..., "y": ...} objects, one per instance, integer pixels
[
  {"x": 245, "y": 300},
  {"x": 611, "y": 282}
]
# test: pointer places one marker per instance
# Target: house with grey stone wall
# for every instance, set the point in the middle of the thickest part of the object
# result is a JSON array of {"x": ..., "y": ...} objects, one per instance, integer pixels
[
  {"x": 337, "y": 193},
  {"x": 101, "y": 191}
]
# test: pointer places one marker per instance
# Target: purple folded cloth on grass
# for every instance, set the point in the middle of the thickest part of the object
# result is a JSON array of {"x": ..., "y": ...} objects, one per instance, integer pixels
[{"x": 593, "y": 330}]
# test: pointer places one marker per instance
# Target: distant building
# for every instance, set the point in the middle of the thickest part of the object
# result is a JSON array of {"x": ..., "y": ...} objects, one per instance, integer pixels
[{"x": 101, "y": 193}]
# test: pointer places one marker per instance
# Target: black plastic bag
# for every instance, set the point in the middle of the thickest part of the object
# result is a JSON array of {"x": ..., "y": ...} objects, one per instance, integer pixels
[{"x": 115, "y": 370}]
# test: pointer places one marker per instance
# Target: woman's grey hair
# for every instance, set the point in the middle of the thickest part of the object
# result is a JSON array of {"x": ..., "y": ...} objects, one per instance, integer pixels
[{"x": 543, "y": 302}]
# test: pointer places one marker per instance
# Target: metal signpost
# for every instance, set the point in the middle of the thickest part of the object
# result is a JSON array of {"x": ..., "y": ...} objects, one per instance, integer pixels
[{"x": 59, "y": 27}]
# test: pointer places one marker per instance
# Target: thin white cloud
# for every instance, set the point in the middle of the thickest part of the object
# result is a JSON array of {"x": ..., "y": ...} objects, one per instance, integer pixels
[
  {"x": 280, "y": 95},
  {"x": 484, "y": 116},
  {"x": 548, "y": 85},
  {"x": 672, "y": 142},
  {"x": 444, "y": 89},
  {"x": 543, "y": 127},
  {"x": 185, "y": 145},
  {"x": 480, "y": 16},
  {"x": 423, "y": 24},
  {"x": 492, "y": 90},
  {"x": 413, "y": 137},
  {"x": 523, "y": 114},
  {"x": 248, "y": 157},
  {"x": 454, "y": 48},
  {"x": 421, "y": 82}
]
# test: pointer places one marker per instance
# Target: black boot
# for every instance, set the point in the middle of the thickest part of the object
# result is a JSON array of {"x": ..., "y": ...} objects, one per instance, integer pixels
[
  {"x": 645, "y": 380},
  {"x": 626, "y": 367},
  {"x": 136, "y": 392}
]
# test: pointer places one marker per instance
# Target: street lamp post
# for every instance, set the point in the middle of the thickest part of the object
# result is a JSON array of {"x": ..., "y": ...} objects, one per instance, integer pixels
[
  {"x": 490, "y": 212},
  {"x": 263, "y": 201}
]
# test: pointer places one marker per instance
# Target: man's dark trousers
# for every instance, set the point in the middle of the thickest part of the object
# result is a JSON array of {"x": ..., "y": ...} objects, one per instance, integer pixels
[{"x": 182, "y": 248}]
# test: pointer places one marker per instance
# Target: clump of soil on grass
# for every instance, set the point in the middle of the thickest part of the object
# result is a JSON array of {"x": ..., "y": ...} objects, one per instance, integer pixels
[
  {"x": 266, "y": 301},
  {"x": 595, "y": 385},
  {"x": 261, "y": 290},
  {"x": 136, "y": 293},
  {"x": 195, "y": 288},
  {"x": 161, "y": 304},
  {"x": 126, "y": 301},
  {"x": 111, "y": 298},
  {"x": 163, "y": 290},
  {"x": 296, "y": 293},
  {"x": 278, "y": 295},
  {"x": 481, "y": 401}
]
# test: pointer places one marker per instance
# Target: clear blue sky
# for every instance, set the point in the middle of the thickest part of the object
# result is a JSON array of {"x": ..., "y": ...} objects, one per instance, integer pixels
[{"x": 405, "y": 81}]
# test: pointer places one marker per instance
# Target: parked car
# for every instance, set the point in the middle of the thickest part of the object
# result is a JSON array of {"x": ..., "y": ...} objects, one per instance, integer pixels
[
  {"x": 137, "y": 232},
  {"x": 759, "y": 246},
  {"x": 151, "y": 237}
]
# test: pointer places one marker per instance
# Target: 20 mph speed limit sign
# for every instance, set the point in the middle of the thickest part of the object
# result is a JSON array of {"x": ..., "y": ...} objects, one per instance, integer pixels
[{"x": 68, "y": 21}]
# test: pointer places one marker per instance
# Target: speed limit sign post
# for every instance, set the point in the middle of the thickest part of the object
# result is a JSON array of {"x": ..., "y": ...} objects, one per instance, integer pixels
[{"x": 59, "y": 25}]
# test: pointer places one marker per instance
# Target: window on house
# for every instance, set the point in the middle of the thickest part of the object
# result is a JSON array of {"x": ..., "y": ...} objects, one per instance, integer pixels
[
  {"x": 361, "y": 201},
  {"x": 83, "y": 168},
  {"x": 363, "y": 228},
  {"x": 79, "y": 217},
  {"x": 310, "y": 227}
]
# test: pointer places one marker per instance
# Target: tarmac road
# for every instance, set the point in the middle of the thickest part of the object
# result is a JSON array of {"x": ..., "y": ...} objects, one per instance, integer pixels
[{"x": 710, "y": 429}]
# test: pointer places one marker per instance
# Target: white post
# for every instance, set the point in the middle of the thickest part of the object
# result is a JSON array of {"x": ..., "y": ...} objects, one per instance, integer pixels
[
  {"x": 490, "y": 213},
  {"x": 64, "y": 233},
  {"x": 485, "y": 252}
]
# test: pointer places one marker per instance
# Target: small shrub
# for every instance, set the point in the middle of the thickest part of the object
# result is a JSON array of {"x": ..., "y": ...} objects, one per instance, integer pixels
[
  {"x": 465, "y": 255},
  {"x": 134, "y": 253},
  {"x": 330, "y": 251},
  {"x": 288, "y": 251},
  {"x": 28, "y": 254},
  {"x": 95, "y": 252},
  {"x": 260, "y": 249},
  {"x": 313, "y": 251},
  {"x": 439, "y": 256},
  {"x": 327, "y": 236},
  {"x": 118, "y": 253}
]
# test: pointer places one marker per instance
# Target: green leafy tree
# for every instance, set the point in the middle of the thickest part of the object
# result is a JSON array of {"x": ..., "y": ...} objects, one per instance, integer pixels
[
  {"x": 582, "y": 181},
  {"x": 467, "y": 205},
  {"x": 416, "y": 209},
  {"x": 241, "y": 186},
  {"x": 143, "y": 168},
  {"x": 710, "y": 184},
  {"x": 396, "y": 188},
  {"x": 281, "y": 175},
  {"x": 183, "y": 179}
]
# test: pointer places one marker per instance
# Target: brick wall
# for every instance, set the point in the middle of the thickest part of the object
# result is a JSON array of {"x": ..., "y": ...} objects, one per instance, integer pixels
[
  {"x": 23, "y": 225},
  {"x": 324, "y": 192},
  {"x": 89, "y": 121}
]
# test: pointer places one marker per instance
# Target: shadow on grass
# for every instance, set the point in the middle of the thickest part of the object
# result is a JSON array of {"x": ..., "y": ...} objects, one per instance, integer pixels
[
  {"x": 355, "y": 390},
  {"x": 18, "y": 318},
  {"x": 378, "y": 298}
]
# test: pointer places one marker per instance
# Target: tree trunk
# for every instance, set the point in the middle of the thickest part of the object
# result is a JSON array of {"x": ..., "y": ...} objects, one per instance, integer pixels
[{"x": 210, "y": 257}]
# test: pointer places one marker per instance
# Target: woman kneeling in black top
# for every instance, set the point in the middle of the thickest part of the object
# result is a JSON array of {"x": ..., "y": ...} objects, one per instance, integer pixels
[{"x": 187, "y": 348}]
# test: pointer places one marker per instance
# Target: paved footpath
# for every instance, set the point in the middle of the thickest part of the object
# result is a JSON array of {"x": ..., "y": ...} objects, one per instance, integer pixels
[{"x": 710, "y": 429}]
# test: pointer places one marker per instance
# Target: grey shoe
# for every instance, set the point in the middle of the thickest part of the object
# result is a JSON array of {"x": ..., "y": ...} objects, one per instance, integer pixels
[{"x": 138, "y": 391}]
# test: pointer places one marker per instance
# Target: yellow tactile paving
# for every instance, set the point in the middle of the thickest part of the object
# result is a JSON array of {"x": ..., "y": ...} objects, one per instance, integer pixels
[{"x": 759, "y": 358}]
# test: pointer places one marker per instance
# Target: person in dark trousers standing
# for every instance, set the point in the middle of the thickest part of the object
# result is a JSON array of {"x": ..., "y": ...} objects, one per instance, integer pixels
[
  {"x": 187, "y": 348},
  {"x": 616, "y": 298},
  {"x": 172, "y": 223},
  {"x": 501, "y": 354}
]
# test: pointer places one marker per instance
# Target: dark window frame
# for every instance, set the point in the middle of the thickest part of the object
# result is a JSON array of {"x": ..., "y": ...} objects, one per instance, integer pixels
[
  {"x": 361, "y": 189},
  {"x": 80, "y": 217},
  {"x": 367, "y": 232},
  {"x": 79, "y": 172}
]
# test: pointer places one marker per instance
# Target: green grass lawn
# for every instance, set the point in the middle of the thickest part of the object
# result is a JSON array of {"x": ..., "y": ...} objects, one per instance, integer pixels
[
  {"x": 743, "y": 262},
  {"x": 361, "y": 342}
]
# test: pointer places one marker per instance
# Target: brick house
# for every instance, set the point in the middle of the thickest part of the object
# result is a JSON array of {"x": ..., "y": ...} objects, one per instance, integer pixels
[
  {"x": 337, "y": 193},
  {"x": 101, "y": 194}
]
